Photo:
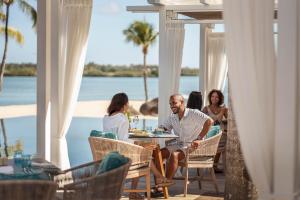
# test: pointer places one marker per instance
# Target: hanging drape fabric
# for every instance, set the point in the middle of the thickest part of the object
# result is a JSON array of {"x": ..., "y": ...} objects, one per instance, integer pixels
[
  {"x": 216, "y": 67},
  {"x": 170, "y": 68},
  {"x": 72, "y": 24},
  {"x": 251, "y": 61}
]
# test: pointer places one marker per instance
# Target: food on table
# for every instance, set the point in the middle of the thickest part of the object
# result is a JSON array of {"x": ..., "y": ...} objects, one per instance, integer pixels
[{"x": 138, "y": 132}]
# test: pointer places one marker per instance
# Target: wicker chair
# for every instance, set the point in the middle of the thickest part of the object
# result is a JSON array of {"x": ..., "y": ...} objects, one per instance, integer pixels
[
  {"x": 200, "y": 158},
  {"x": 27, "y": 190},
  {"x": 140, "y": 156},
  {"x": 82, "y": 182}
]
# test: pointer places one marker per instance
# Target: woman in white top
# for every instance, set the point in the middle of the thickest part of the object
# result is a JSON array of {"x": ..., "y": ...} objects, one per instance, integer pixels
[{"x": 116, "y": 121}]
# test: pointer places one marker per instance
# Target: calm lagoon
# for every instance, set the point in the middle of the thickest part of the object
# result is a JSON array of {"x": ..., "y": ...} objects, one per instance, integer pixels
[{"x": 22, "y": 90}]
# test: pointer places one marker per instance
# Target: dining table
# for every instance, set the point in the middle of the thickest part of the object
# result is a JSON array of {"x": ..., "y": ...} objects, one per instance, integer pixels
[
  {"x": 33, "y": 169},
  {"x": 143, "y": 138}
]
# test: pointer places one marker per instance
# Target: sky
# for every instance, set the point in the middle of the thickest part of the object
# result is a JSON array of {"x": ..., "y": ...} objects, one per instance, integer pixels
[{"x": 107, "y": 43}]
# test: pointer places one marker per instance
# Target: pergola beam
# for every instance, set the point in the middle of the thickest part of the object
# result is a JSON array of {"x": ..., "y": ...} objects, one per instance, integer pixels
[{"x": 203, "y": 13}]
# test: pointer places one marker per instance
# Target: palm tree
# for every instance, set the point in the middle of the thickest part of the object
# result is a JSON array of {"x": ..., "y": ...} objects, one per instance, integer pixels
[
  {"x": 18, "y": 37},
  {"x": 13, "y": 33},
  {"x": 141, "y": 34},
  {"x": 26, "y": 8}
]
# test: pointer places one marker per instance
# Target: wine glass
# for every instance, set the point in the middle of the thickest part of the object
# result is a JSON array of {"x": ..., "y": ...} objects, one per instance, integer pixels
[{"x": 135, "y": 121}]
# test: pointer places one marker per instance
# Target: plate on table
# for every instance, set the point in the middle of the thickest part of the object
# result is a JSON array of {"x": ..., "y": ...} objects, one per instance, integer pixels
[{"x": 137, "y": 132}]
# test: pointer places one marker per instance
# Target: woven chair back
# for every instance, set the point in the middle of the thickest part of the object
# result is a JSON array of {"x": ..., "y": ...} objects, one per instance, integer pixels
[
  {"x": 102, "y": 146},
  {"x": 27, "y": 190}
]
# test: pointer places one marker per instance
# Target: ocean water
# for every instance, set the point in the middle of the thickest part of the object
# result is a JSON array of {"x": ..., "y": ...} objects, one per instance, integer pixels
[{"x": 22, "y": 90}]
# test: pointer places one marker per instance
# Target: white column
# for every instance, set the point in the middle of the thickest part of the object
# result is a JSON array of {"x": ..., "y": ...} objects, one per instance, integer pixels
[
  {"x": 203, "y": 76},
  {"x": 163, "y": 100},
  {"x": 202, "y": 58},
  {"x": 54, "y": 71},
  {"x": 43, "y": 78},
  {"x": 286, "y": 101}
]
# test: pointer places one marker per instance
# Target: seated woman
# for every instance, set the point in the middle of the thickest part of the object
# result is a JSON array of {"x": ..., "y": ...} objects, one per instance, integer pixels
[
  {"x": 219, "y": 113},
  {"x": 216, "y": 110},
  {"x": 116, "y": 121}
]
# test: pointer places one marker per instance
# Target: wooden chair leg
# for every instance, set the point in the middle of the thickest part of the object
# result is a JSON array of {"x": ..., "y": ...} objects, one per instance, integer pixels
[
  {"x": 213, "y": 176},
  {"x": 186, "y": 179},
  {"x": 148, "y": 185},
  {"x": 199, "y": 176}
]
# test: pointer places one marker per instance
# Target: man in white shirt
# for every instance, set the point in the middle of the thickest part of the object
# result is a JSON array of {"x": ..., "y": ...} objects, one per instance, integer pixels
[{"x": 190, "y": 125}]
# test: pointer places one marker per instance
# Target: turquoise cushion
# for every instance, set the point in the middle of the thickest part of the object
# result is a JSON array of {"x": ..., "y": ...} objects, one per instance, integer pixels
[
  {"x": 110, "y": 135},
  {"x": 111, "y": 161},
  {"x": 214, "y": 130},
  {"x": 95, "y": 133}
]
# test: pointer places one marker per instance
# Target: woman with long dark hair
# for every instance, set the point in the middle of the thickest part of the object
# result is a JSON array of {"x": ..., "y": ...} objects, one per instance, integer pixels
[{"x": 116, "y": 121}]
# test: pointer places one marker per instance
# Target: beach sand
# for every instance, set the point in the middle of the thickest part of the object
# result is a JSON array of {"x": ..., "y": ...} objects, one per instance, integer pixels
[{"x": 94, "y": 109}]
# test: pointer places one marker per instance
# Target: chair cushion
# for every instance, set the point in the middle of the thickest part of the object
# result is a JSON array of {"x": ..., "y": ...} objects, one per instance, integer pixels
[
  {"x": 95, "y": 133},
  {"x": 111, "y": 161},
  {"x": 214, "y": 130},
  {"x": 109, "y": 135}
]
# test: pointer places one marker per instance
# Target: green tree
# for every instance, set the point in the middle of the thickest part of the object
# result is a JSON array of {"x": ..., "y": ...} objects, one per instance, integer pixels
[
  {"x": 142, "y": 34},
  {"x": 11, "y": 32}
]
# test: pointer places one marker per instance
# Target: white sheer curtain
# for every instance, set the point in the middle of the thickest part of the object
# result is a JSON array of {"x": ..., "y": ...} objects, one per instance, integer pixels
[
  {"x": 215, "y": 69},
  {"x": 73, "y": 28},
  {"x": 170, "y": 68},
  {"x": 251, "y": 60},
  {"x": 287, "y": 129}
]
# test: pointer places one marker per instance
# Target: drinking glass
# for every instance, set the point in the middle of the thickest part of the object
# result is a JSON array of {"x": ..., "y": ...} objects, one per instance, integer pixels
[
  {"x": 26, "y": 160},
  {"x": 135, "y": 121},
  {"x": 149, "y": 129}
]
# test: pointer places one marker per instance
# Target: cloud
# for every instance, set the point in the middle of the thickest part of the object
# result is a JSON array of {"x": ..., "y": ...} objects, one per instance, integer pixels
[{"x": 110, "y": 7}]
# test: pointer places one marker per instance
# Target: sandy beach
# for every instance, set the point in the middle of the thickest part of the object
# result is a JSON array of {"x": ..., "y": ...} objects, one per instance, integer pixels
[{"x": 94, "y": 109}]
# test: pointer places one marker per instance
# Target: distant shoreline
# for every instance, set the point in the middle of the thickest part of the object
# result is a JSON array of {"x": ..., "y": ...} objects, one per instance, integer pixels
[
  {"x": 93, "y": 109},
  {"x": 97, "y": 70}
]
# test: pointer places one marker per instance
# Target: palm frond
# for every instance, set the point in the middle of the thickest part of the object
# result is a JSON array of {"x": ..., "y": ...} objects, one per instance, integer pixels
[
  {"x": 29, "y": 10},
  {"x": 14, "y": 34},
  {"x": 140, "y": 33},
  {"x": 2, "y": 16}
]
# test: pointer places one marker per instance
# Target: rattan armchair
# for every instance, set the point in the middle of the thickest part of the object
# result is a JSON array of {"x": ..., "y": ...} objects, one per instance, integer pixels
[
  {"x": 200, "y": 158},
  {"x": 27, "y": 190},
  {"x": 82, "y": 182},
  {"x": 140, "y": 156}
]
